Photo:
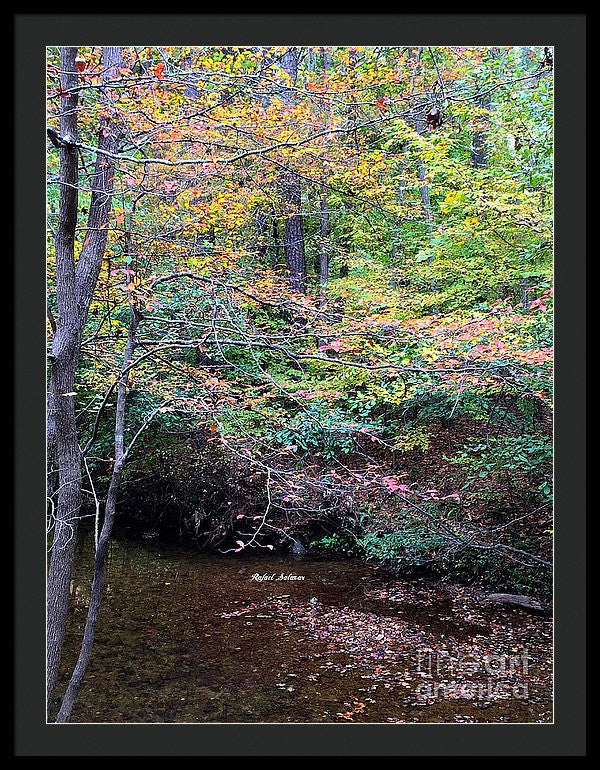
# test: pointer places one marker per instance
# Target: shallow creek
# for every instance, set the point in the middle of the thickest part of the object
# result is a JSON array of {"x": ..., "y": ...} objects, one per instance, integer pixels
[{"x": 189, "y": 637}]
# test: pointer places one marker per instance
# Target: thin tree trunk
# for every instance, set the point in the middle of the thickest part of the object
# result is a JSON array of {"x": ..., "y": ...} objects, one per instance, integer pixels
[
  {"x": 419, "y": 123},
  {"x": 425, "y": 196},
  {"x": 276, "y": 242},
  {"x": 75, "y": 286},
  {"x": 324, "y": 206},
  {"x": 262, "y": 233},
  {"x": 109, "y": 137},
  {"x": 525, "y": 294},
  {"x": 479, "y": 143},
  {"x": 105, "y": 534},
  {"x": 323, "y": 250},
  {"x": 397, "y": 244}
]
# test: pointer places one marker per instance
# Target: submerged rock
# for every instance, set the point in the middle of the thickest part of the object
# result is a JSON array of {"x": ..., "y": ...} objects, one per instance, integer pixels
[{"x": 298, "y": 549}]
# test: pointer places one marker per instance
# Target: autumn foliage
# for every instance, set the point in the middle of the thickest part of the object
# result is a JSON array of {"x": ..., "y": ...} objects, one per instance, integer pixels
[{"x": 426, "y": 319}]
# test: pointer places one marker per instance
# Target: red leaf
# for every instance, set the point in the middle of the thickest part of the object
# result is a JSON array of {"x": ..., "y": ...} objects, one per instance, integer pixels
[{"x": 159, "y": 70}]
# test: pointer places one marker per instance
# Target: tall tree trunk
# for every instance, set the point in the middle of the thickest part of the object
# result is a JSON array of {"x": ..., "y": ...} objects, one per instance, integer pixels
[
  {"x": 75, "y": 286},
  {"x": 100, "y": 562},
  {"x": 479, "y": 148},
  {"x": 293, "y": 242},
  {"x": 62, "y": 428}
]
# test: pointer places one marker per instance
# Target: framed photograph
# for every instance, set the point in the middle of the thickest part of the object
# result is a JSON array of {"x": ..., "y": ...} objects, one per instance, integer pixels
[{"x": 299, "y": 379}]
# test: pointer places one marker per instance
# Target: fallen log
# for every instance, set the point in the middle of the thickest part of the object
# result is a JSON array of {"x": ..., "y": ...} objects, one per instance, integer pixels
[{"x": 517, "y": 600}]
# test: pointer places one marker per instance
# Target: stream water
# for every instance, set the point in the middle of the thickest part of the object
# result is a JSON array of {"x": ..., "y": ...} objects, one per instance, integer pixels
[{"x": 188, "y": 637}]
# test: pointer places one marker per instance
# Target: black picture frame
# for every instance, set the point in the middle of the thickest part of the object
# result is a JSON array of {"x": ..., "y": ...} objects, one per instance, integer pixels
[{"x": 32, "y": 736}]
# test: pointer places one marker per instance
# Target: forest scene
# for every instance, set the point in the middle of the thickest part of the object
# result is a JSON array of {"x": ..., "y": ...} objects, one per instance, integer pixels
[{"x": 299, "y": 396}]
